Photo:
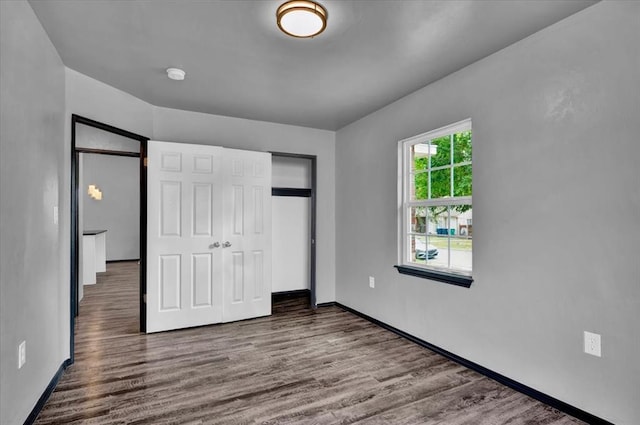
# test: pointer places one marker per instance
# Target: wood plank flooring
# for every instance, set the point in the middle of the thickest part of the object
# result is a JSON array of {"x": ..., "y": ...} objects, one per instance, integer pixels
[{"x": 297, "y": 366}]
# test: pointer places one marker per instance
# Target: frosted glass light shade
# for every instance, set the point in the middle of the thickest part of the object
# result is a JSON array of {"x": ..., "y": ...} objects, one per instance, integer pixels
[
  {"x": 176, "y": 74},
  {"x": 94, "y": 192},
  {"x": 301, "y": 18}
]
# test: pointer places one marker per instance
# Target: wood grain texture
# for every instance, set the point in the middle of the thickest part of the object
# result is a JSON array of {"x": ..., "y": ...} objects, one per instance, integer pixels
[{"x": 297, "y": 366}]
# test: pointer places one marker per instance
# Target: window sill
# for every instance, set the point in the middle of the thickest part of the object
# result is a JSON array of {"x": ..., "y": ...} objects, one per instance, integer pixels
[{"x": 444, "y": 277}]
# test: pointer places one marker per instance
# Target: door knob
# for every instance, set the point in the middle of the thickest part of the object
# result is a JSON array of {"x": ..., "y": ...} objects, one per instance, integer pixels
[
  {"x": 227, "y": 244},
  {"x": 214, "y": 245}
]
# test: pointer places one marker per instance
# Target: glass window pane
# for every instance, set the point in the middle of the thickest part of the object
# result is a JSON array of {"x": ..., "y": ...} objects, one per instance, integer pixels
[
  {"x": 461, "y": 241},
  {"x": 462, "y": 180},
  {"x": 417, "y": 246},
  {"x": 462, "y": 147},
  {"x": 420, "y": 156},
  {"x": 439, "y": 169},
  {"x": 419, "y": 186},
  {"x": 440, "y": 183},
  {"x": 417, "y": 219},
  {"x": 438, "y": 254},
  {"x": 438, "y": 238},
  {"x": 442, "y": 152},
  {"x": 437, "y": 217}
]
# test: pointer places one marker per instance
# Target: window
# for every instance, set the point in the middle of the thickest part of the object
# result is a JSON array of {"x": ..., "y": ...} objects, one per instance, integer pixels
[{"x": 435, "y": 216}]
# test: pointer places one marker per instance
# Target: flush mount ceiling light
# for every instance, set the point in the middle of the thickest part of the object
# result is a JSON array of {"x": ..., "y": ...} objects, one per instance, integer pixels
[
  {"x": 301, "y": 18},
  {"x": 176, "y": 74}
]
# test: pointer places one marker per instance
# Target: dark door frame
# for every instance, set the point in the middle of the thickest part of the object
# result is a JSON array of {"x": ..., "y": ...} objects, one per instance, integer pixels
[
  {"x": 303, "y": 193},
  {"x": 75, "y": 194}
]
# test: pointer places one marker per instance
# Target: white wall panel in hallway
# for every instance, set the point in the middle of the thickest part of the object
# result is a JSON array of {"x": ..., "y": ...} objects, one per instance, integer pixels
[{"x": 291, "y": 242}]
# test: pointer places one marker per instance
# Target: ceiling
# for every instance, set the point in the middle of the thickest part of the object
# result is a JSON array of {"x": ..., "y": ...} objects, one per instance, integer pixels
[{"x": 239, "y": 64}]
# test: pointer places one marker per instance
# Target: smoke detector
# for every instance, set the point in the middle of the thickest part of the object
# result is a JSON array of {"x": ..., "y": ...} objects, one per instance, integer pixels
[{"x": 176, "y": 74}]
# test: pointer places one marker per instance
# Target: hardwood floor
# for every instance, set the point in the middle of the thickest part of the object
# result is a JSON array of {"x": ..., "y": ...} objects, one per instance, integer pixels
[{"x": 297, "y": 366}]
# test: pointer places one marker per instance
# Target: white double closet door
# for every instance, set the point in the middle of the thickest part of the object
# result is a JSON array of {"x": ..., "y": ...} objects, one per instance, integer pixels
[{"x": 208, "y": 235}]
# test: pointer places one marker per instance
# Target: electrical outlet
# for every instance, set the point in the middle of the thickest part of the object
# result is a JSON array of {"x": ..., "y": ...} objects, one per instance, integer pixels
[
  {"x": 372, "y": 282},
  {"x": 22, "y": 354},
  {"x": 592, "y": 344}
]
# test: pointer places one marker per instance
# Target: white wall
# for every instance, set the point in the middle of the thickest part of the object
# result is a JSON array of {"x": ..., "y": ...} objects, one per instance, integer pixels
[
  {"x": 34, "y": 252},
  {"x": 100, "y": 102},
  {"x": 192, "y": 127},
  {"x": 291, "y": 224},
  {"x": 96, "y": 138},
  {"x": 118, "y": 212},
  {"x": 555, "y": 125},
  {"x": 291, "y": 172}
]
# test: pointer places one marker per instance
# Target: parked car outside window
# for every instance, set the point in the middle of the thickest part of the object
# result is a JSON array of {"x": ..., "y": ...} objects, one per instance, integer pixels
[{"x": 425, "y": 254}]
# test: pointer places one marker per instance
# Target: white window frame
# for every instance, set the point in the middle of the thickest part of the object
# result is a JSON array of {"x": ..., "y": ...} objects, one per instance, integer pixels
[{"x": 405, "y": 203}]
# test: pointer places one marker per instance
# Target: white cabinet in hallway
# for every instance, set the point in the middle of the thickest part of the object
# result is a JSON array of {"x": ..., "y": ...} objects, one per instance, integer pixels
[{"x": 94, "y": 255}]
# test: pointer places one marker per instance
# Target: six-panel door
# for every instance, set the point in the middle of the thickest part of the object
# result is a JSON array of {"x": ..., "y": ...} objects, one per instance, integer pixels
[
  {"x": 247, "y": 228},
  {"x": 209, "y": 235}
]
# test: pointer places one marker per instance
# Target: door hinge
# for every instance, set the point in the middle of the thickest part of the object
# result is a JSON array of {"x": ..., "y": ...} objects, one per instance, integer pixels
[
  {"x": 146, "y": 162},
  {"x": 144, "y": 298}
]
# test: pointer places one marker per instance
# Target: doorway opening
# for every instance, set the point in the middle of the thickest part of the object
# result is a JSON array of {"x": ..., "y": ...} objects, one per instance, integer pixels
[
  {"x": 89, "y": 137},
  {"x": 294, "y": 226}
]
